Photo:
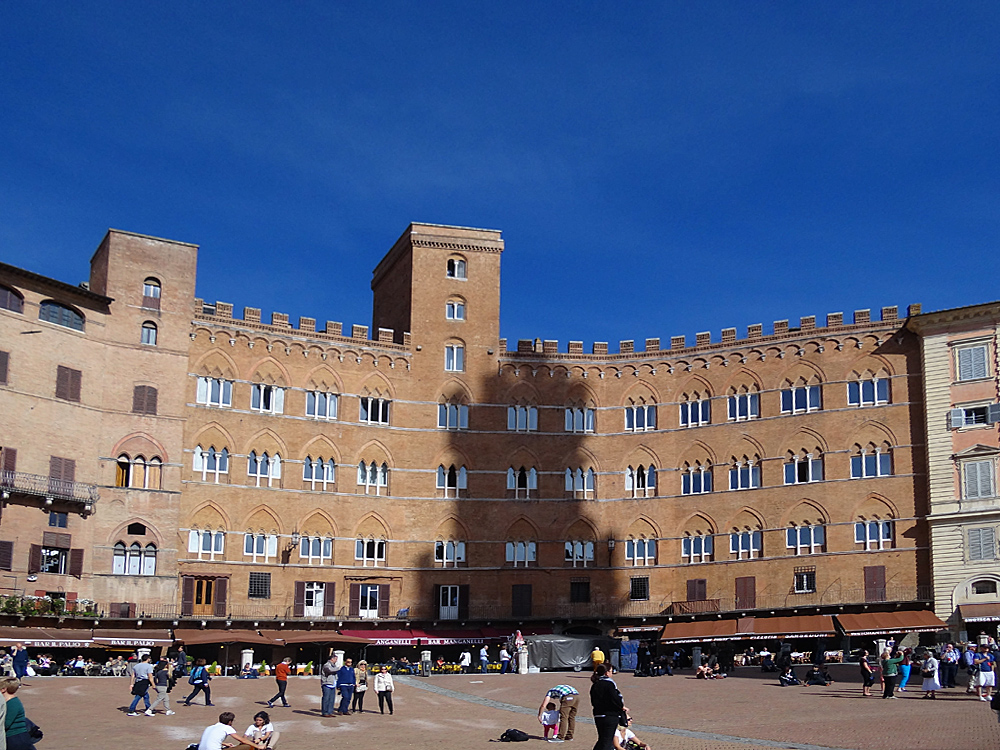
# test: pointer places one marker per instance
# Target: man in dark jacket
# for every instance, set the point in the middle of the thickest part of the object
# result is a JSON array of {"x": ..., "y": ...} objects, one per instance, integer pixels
[{"x": 608, "y": 705}]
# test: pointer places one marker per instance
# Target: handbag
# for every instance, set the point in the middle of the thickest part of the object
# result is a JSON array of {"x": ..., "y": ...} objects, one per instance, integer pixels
[
  {"x": 34, "y": 731},
  {"x": 141, "y": 687},
  {"x": 927, "y": 673}
]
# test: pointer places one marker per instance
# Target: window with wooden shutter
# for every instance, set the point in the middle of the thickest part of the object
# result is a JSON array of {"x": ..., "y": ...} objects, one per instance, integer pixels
[
  {"x": 463, "y": 601},
  {"x": 875, "y": 583},
  {"x": 144, "y": 399},
  {"x": 221, "y": 592},
  {"x": 57, "y": 539},
  {"x": 979, "y": 479},
  {"x": 76, "y": 563},
  {"x": 746, "y": 592},
  {"x": 972, "y": 362},
  {"x": 354, "y": 604},
  {"x": 68, "y": 382},
  {"x": 63, "y": 469},
  {"x": 299, "y": 601},
  {"x": 35, "y": 558},
  {"x": 187, "y": 595},
  {"x": 520, "y": 600},
  {"x": 4, "y": 360},
  {"x": 329, "y": 599},
  {"x": 8, "y": 461},
  {"x": 383, "y": 600},
  {"x": 982, "y": 543},
  {"x": 6, "y": 555}
]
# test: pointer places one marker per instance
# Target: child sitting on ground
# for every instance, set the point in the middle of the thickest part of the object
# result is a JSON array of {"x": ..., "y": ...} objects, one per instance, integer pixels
[{"x": 550, "y": 720}]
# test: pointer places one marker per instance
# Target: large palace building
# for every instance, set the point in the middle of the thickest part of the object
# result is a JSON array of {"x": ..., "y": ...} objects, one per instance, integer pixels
[{"x": 165, "y": 459}]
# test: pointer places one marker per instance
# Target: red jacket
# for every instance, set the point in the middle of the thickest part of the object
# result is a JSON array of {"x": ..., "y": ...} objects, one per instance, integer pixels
[{"x": 281, "y": 671}]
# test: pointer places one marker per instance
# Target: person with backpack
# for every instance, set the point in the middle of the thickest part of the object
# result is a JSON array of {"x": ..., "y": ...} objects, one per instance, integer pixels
[{"x": 200, "y": 679}]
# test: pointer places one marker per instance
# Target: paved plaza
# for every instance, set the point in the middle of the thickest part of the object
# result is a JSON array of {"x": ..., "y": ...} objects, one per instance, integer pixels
[{"x": 748, "y": 711}]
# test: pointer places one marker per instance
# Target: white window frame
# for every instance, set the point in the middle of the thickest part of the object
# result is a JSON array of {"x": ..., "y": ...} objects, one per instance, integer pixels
[
  {"x": 640, "y": 552},
  {"x": 207, "y": 544},
  {"x": 452, "y": 416},
  {"x": 579, "y": 553},
  {"x": 452, "y": 480},
  {"x": 696, "y": 480},
  {"x": 211, "y": 463},
  {"x": 319, "y": 472},
  {"x": 215, "y": 392},
  {"x": 522, "y": 489},
  {"x": 972, "y": 361},
  {"x": 872, "y": 391},
  {"x": 322, "y": 404},
  {"x": 449, "y": 553},
  {"x": 373, "y": 410},
  {"x": 454, "y": 358},
  {"x": 260, "y": 547},
  {"x": 801, "y": 399},
  {"x": 579, "y": 419},
  {"x": 862, "y": 467},
  {"x": 373, "y": 477},
  {"x": 801, "y": 584},
  {"x": 520, "y": 554},
  {"x": 697, "y": 548},
  {"x": 264, "y": 467},
  {"x": 454, "y": 309},
  {"x": 744, "y": 406},
  {"x": 640, "y": 417},
  {"x": 746, "y": 545},
  {"x": 640, "y": 481},
  {"x": 809, "y": 540},
  {"x": 744, "y": 475},
  {"x": 149, "y": 333},
  {"x": 151, "y": 289},
  {"x": 696, "y": 413},
  {"x": 456, "y": 268},
  {"x": 580, "y": 482},
  {"x": 809, "y": 465},
  {"x": 267, "y": 399},
  {"x": 522, "y": 418},
  {"x": 981, "y": 476},
  {"x": 875, "y": 534},
  {"x": 308, "y": 550},
  {"x": 370, "y": 552}
]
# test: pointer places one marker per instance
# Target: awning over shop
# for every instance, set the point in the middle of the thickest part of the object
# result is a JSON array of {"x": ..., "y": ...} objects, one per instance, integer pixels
[
  {"x": 980, "y": 612},
  {"x": 886, "y": 623},
  {"x": 133, "y": 638},
  {"x": 195, "y": 637},
  {"x": 45, "y": 638},
  {"x": 638, "y": 629},
  {"x": 388, "y": 637},
  {"x": 453, "y": 638},
  {"x": 699, "y": 631},
  {"x": 797, "y": 626},
  {"x": 312, "y": 636}
]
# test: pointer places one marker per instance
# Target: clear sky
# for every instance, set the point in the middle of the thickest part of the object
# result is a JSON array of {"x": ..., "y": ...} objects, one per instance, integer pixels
[{"x": 656, "y": 168}]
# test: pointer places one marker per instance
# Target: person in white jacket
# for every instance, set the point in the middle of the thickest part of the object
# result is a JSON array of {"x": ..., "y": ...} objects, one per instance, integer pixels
[{"x": 384, "y": 688}]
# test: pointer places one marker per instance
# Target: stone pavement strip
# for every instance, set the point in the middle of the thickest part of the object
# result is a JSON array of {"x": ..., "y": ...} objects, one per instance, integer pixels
[{"x": 746, "y": 712}]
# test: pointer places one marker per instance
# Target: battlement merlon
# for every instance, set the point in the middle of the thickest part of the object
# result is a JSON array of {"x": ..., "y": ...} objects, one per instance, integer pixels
[{"x": 781, "y": 331}]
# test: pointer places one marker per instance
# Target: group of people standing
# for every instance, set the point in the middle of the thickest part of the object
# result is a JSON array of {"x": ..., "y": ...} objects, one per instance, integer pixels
[
  {"x": 937, "y": 670},
  {"x": 352, "y": 683}
]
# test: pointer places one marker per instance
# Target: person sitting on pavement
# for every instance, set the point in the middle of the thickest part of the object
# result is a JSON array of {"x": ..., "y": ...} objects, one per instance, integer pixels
[
  {"x": 262, "y": 730},
  {"x": 817, "y": 675},
  {"x": 625, "y": 738},
  {"x": 222, "y": 735},
  {"x": 787, "y": 677}
]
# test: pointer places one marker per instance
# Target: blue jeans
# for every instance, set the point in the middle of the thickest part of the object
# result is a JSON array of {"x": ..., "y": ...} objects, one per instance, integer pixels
[
  {"x": 329, "y": 700},
  {"x": 346, "y": 693},
  {"x": 482, "y": 666},
  {"x": 135, "y": 702}
]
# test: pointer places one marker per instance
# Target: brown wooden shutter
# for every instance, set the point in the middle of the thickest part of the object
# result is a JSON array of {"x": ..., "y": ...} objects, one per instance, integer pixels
[
  {"x": 9, "y": 459},
  {"x": 383, "y": 600},
  {"x": 436, "y": 602},
  {"x": 329, "y": 599},
  {"x": 57, "y": 539},
  {"x": 354, "y": 605},
  {"x": 697, "y": 589},
  {"x": 463, "y": 602},
  {"x": 62, "y": 382},
  {"x": 299, "y": 605},
  {"x": 35, "y": 558},
  {"x": 6, "y": 555},
  {"x": 221, "y": 590},
  {"x": 139, "y": 399},
  {"x": 4, "y": 359},
  {"x": 151, "y": 399},
  {"x": 875, "y": 583},
  {"x": 63, "y": 469},
  {"x": 746, "y": 592},
  {"x": 75, "y": 380},
  {"x": 76, "y": 563},
  {"x": 187, "y": 595}
]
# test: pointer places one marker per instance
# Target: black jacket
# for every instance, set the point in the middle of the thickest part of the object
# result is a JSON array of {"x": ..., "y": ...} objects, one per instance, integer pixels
[{"x": 605, "y": 698}]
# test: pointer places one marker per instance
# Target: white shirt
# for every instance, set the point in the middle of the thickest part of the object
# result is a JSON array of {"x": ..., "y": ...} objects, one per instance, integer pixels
[
  {"x": 466, "y": 659},
  {"x": 255, "y": 732},
  {"x": 212, "y": 737}
]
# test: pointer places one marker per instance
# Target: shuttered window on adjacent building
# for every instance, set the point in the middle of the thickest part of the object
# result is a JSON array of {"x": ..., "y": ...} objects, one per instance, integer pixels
[
  {"x": 68, "y": 383},
  {"x": 144, "y": 399},
  {"x": 6, "y": 555},
  {"x": 978, "y": 479},
  {"x": 972, "y": 362},
  {"x": 4, "y": 360},
  {"x": 982, "y": 544}
]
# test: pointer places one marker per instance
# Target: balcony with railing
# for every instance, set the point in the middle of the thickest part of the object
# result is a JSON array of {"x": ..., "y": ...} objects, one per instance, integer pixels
[{"x": 19, "y": 486}]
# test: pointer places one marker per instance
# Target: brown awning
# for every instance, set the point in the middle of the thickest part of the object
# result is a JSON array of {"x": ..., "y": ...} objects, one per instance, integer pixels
[
  {"x": 887, "y": 623},
  {"x": 699, "y": 631},
  {"x": 312, "y": 636},
  {"x": 194, "y": 637},
  {"x": 47, "y": 638},
  {"x": 980, "y": 612},
  {"x": 136, "y": 637},
  {"x": 797, "y": 626}
]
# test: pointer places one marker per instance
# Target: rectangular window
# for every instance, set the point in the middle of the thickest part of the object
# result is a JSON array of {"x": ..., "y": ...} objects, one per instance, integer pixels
[
  {"x": 58, "y": 520},
  {"x": 805, "y": 581},
  {"x": 260, "y": 586},
  {"x": 144, "y": 399},
  {"x": 866, "y": 465},
  {"x": 982, "y": 543},
  {"x": 456, "y": 268},
  {"x": 454, "y": 358},
  {"x": 520, "y": 600},
  {"x": 579, "y": 419},
  {"x": 800, "y": 400},
  {"x": 874, "y": 534},
  {"x": 267, "y": 398},
  {"x": 639, "y": 589},
  {"x": 978, "y": 479},
  {"x": 696, "y": 481},
  {"x": 745, "y": 545},
  {"x": 206, "y": 544},
  {"x": 260, "y": 547},
  {"x": 68, "y": 383},
  {"x": 805, "y": 540},
  {"x": 215, "y": 392},
  {"x": 453, "y": 416},
  {"x": 522, "y": 418},
  {"x": 374, "y": 410},
  {"x": 579, "y": 591},
  {"x": 696, "y": 413},
  {"x": 640, "y": 552},
  {"x": 804, "y": 470},
  {"x": 321, "y": 405},
  {"x": 744, "y": 477},
  {"x": 454, "y": 310},
  {"x": 520, "y": 554},
  {"x": 640, "y": 418},
  {"x": 972, "y": 362},
  {"x": 872, "y": 392},
  {"x": 369, "y": 552},
  {"x": 744, "y": 406},
  {"x": 54, "y": 560},
  {"x": 579, "y": 554},
  {"x": 696, "y": 549},
  {"x": 315, "y": 550},
  {"x": 449, "y": 554}
]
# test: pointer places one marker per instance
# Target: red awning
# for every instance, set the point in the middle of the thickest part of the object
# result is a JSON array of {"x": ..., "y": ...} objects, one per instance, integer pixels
[
  {"x": 798, "y": 626},
  {"x": 979, "y": 612},
  {"x": 388, "y": 637},
  {"x": 133, "y": 638},
  {"x": 193, "y": 637},
  {"x": 47, "y": 638},
  {"x": 886, "y": 623},
  {"x": 702, "y": 631},
  {"x": 312, "y": 636},
  {"x": 453, "y": 638}
]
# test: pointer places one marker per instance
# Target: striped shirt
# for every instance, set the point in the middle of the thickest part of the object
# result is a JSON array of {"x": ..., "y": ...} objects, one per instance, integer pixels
[{"x": 562, "y": 690}]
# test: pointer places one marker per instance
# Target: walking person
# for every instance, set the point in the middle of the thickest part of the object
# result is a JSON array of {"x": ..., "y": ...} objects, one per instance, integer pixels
[
  {"x": 929, "y": 671},
  {"x": 567, "y": 698},
  {"x": 986, "y": 676},
  {"x": 328, "y": 684},
  {"x": 19, "y": 656},
  {"x": 281, "y": 673},
  {"x": 968, "y": 657},
  {"x": 161, "y": 681},
  {"x": 890, "y": 672},
  {"x": 465, "y": 662},
  {"x": 608, "y": 706},
  {"x": 200, "y": 679},
  {"x": 180, "y": 662},
  {"x": 484, "y": 659},
  {"x": 360, "y": 687},
  {"x": 384, "y": 689},
  {"x": 504, "y": 660},
  {"x": 14, "y": 722},
  {"x": 346, "y": 680},
  {"x": 139, "y": 685}
]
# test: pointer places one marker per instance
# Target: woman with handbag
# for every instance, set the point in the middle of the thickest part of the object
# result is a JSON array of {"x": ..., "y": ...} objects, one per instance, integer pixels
[
  {"x": 384, "y": 688},
  {"x": 200, "y": 679},
  {"x": 360, "y": 687},
  {"x": 929, "y": 671}
]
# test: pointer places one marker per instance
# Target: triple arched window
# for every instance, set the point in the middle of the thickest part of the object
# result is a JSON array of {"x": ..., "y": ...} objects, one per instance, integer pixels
[
  {"x": 138, "y": 473},
  {"x": 580, "y": 483},
  {"x": 452, "y": 481},
  {"x": 522, "y": 482},
  {"x": 134, "y": 560},
  {"x": 319, "y": 472},
  {"x": 640, "y": 481},
  {"x": 264, "y": 469},
  {"x": 212, "y": 464},
  {"x": 374, "y": 478}
]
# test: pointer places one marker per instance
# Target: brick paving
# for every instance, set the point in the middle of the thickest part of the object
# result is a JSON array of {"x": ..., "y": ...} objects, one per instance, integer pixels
[{"x": 748, "y": 711}]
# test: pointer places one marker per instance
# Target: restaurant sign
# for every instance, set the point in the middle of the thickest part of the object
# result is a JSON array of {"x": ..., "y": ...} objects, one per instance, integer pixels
[{"x": 59, "y": 644}]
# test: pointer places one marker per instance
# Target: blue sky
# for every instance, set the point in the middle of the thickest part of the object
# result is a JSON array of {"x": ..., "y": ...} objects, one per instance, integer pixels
[{"x": 657, "y": 169}]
